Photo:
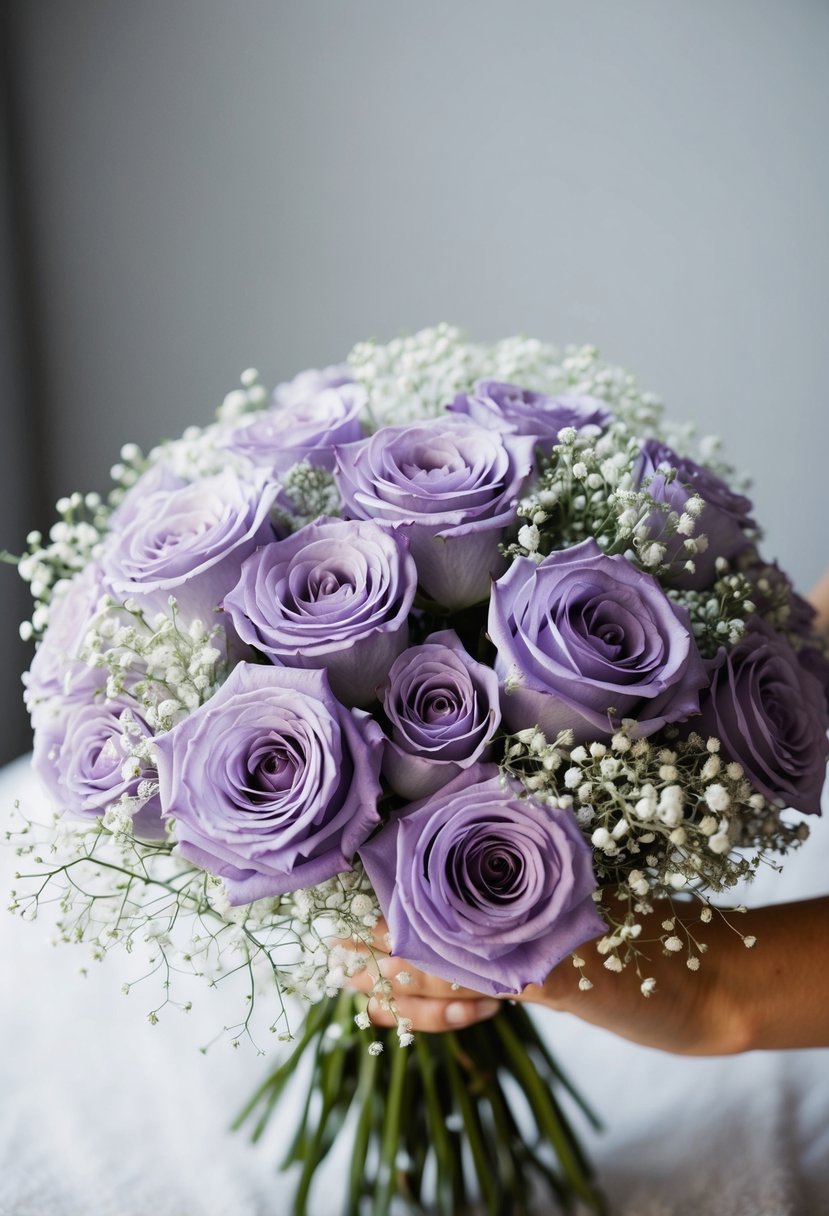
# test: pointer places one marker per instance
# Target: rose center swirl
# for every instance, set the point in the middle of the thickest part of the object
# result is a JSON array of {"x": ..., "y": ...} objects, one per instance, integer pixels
[
  {"x": 272, "y": 768},
  {"x": 487, "y": 870}
]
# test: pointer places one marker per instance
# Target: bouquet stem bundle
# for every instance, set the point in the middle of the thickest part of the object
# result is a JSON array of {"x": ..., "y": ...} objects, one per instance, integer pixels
[{"x": 440, "y": 1126}]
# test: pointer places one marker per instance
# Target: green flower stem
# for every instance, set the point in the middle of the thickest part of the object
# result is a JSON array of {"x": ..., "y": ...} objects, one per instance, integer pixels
[
  {"x": 507, "y": 1136},
  {"x": 401, "y": 1107},
  {"x": 471, "y": 1120},
  {"x": 365, "y": 1100},
  {"x": 526, "y": 1026},
  {"x": 447, "y": 1164},
  {"x": 549, "y": 1117},
  {"x": 331, "y": 1061},
  {"x": 275, "y": 1083},
  {"x": 390, "y": 1145}
]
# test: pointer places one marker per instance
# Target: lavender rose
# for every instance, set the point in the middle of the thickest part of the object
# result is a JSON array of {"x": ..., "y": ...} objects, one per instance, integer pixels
[
  {"x": 57, "y": 671},
  {"x": 157, "y": 478},
  {"x": 189, "y": 542},
  {"x": 519, "y": 411},
  {"x": 336, "y": 595},
  {"x": 780, "y": 605},
  {"x": 305, "y": 430},
  {"x": 724, "y": 520},
  {"x": 448, "y": 485},
  {"x": 272, "y": 783},
  {"x": 306, "y": 385},
  {"x": 442, "y": 709},
  {"x": 770, "y": 715},
  {"x": 483, "y": 887},
  {"x": 584, "y": 640},
  {"x": 79, "y": 756}
]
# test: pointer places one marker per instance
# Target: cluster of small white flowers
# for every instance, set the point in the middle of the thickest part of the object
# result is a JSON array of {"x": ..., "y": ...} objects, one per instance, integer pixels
[
  {"x": 586, "y": 374},
  {"x": 249, "y": 398},
  {"x": 308, "y": 492},
  {"x": 718, "y": 614},
  {"x": 49, "y": 564},
  {"x": 586, "y": 491},
  {"x": 346, "y": 902},
  {"x": 114, "y": 890},
  {"x": 167, "y": 666},
  {"x": 416, "y": 376},
  {"x": 200, "y": 452},
  {"x": 126, "y": 471},
  {"x": 661, "y": 819}
]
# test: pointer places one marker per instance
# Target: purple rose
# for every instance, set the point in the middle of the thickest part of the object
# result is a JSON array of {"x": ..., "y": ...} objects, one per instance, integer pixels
[
  {"x": 442, "y": 709},
  {"x": 304, "y": 430},
  {"x": 448, "y": 485},
  {"x": 336, "y": 595},
  {"x": 781, "y": 606},
  {"x": 57, "y": 671},
  {"x": 79, "y": 755},
  {"x": 723, "y": 520},
  {"x": 482, "y": 886},
  {"x": 519, "y": 411},
  {"x": 770, "y": 715},
  {"x": 189, "y": 542},
  {"x": 306, "y": 385},
  {"x": 158, "y": 477},
  {"x": 584, "y": 640},
  {"x": 272, "y": 783}
]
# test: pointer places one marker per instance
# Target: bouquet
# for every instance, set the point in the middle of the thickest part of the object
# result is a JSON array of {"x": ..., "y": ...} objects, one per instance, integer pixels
[{"x": 467, "y": 637}]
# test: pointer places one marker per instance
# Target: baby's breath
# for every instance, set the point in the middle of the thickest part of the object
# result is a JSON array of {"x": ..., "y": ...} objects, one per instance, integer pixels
[{"x": 662, "y": 818}]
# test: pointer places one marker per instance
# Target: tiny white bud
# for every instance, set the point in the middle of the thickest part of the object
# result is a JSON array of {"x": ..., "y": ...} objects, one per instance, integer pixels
[
  {"x": 717, "y": 797},
  {"x": 719, "y": 843},
  {"x": 529, "y": 537}
]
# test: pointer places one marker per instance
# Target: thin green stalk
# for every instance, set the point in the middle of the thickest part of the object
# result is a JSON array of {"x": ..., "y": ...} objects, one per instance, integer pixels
[
  {"x": 278, "y": 1078},
  {"x": 444, "y": 1156},
  {"x": 472, "y": 1126},
  {"x": 362, "y": 1133},
  {"x": 331, "y": 1064},
  {"x": 526, "y": 1026},
  {"x": 390, "y": 1145},
  {"x": 548, "y": 1116}
]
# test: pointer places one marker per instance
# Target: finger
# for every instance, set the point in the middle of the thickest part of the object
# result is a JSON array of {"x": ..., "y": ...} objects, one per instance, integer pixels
[
  {"x": 407, "y": 981},
  {"x": 432, "y": 1015}
]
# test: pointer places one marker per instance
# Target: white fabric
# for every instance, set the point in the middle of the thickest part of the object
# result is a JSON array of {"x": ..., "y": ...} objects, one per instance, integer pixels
[{"x": 103, "y": 1115}]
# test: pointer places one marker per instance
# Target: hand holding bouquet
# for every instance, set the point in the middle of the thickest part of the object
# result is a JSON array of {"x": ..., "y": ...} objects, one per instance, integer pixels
[{"x": 458, "y": 636}]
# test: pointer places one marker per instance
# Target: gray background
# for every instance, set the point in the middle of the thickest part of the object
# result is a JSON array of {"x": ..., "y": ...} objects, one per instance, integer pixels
[{"x": 194, "y": 187}]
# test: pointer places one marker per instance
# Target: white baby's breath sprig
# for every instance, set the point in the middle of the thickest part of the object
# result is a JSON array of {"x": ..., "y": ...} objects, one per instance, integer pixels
[
  {"x": 50, "y": 563},
  {"x": 660, "y": 819}
]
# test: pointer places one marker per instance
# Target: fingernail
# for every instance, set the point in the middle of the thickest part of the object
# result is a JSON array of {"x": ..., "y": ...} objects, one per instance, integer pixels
[{"x": 459, "y": 1013}]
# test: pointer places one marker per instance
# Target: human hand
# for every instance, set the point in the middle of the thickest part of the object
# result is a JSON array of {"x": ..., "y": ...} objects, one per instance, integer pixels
[
  {"x": 428, "y": 1003},
  {"x": 705, "y": 1012}
]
